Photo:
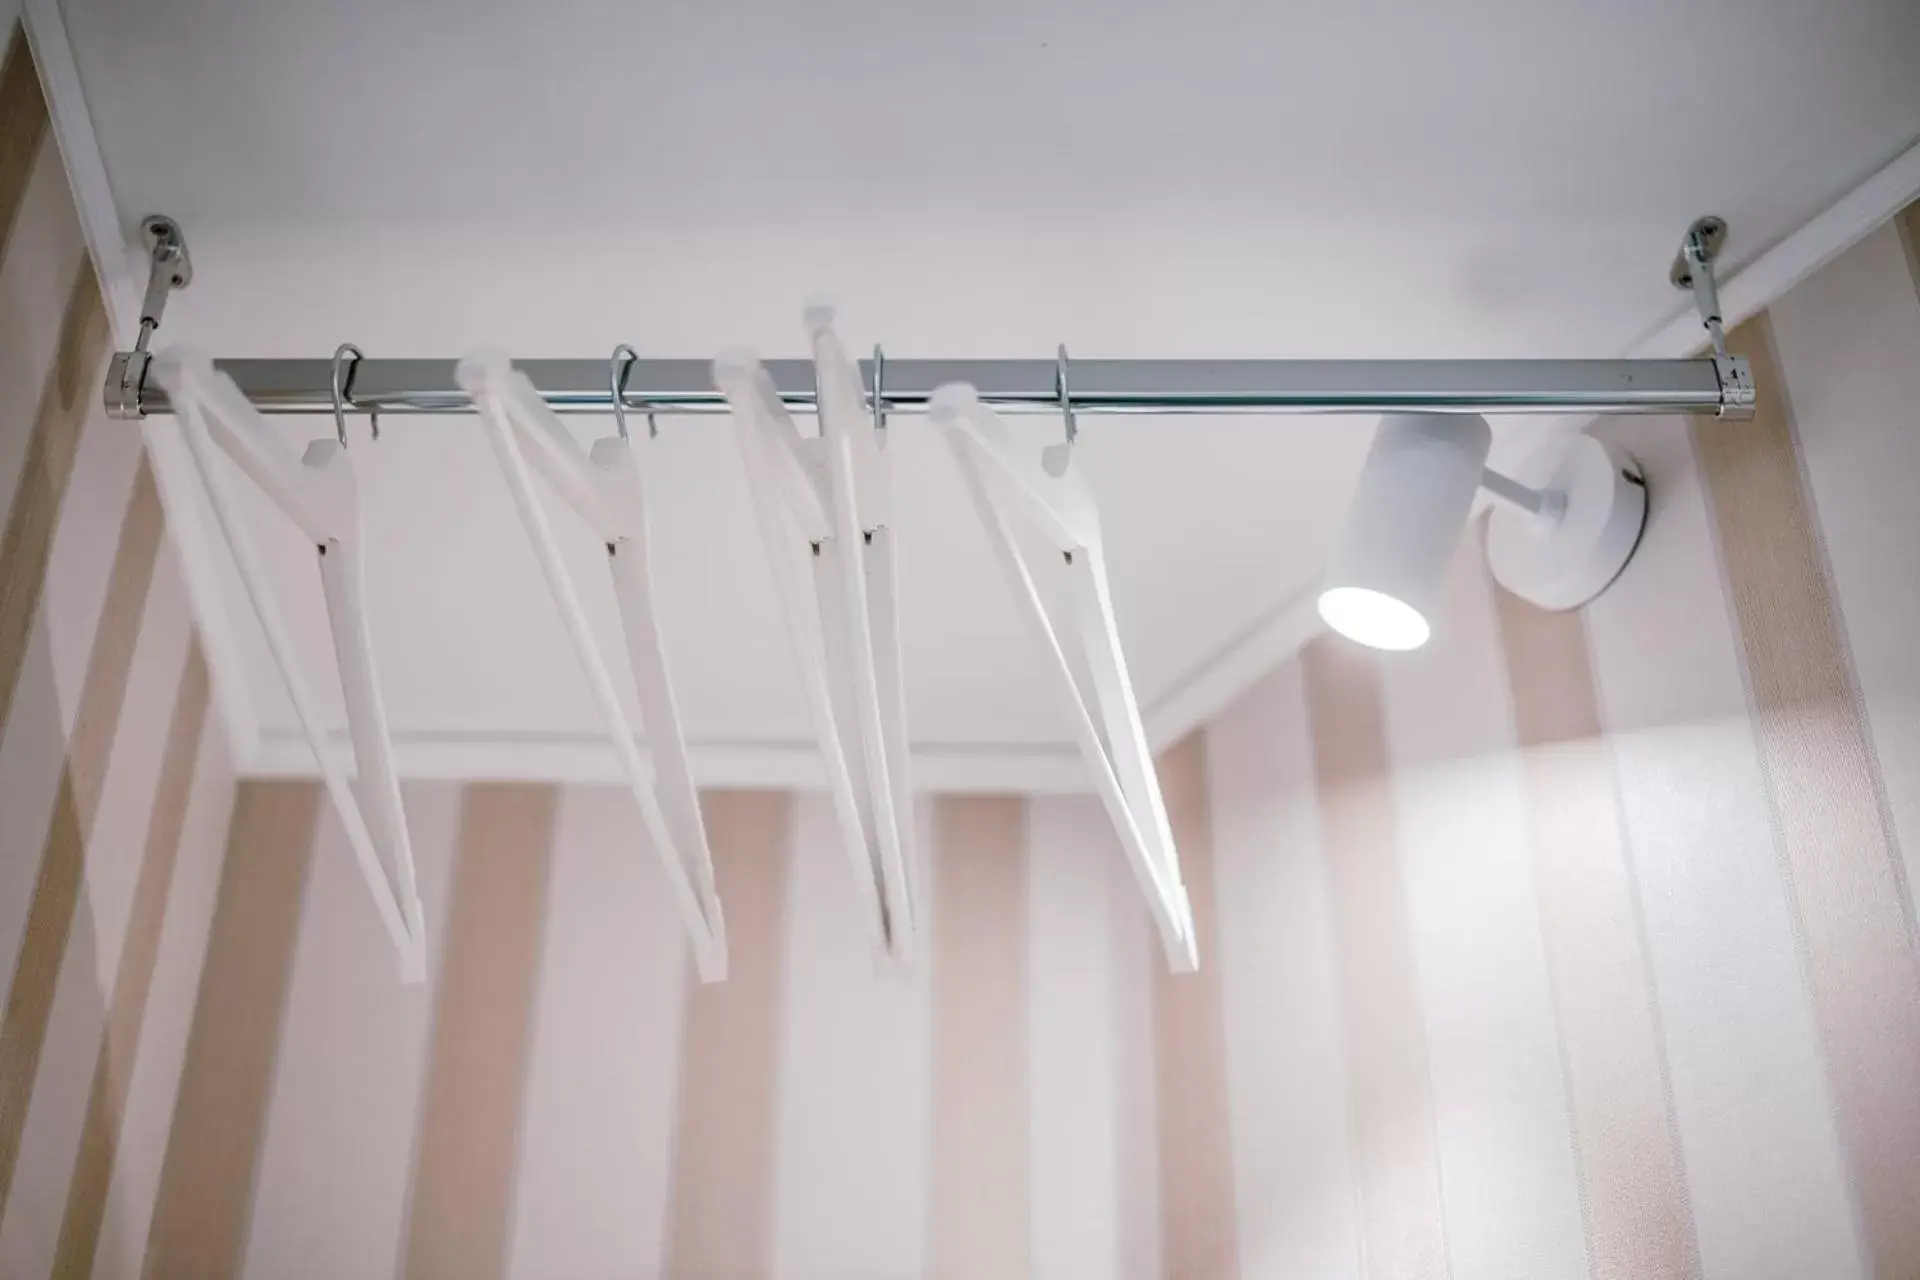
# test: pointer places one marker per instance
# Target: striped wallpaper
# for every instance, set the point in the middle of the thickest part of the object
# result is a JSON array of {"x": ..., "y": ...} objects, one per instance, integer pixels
[
  {"x": 114, "y": 784},
  {"x": 1570, "y": 946}
]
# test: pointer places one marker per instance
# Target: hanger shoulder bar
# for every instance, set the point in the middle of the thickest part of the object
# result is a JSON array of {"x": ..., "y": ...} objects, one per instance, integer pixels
[{"x": 1174, "y": 387}]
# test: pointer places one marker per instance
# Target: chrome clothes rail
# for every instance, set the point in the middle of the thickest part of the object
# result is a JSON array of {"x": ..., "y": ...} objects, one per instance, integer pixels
[
  {"x": 395, "y": 387},
  {"x": 1716, "y": 383}
]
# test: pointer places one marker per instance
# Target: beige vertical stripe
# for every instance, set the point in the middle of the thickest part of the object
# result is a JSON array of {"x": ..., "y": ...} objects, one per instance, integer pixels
[
  {"x": 721, "y": 1220},
  {"x": 1403, "y": 1233},
  {"x": 1822, "y": 780},
  {"x": 1197, "y": 1228},
  {"x": 461, "y": 1203},
  {"x": 28, "y": 541},
  {"x": 1633, "y": 1191},
  {"x": 56, "y": 889},
  {"x": 980, "y": 1200},
  {"x": 133, "y": 978},
  {"x": 23, "y": 124},
  {"x": 205, "y": 1198}
]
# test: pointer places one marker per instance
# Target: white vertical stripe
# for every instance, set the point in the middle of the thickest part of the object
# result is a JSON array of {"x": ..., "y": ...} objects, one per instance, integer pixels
[
  {"x": 336, "y": 1148},
  {"x": 1136, "y": 950},
  {"x": 115, "y": 844},
  {"x": 47, "y": 697},
  {"x": 1507, "y": 1177},
  {"x": 855, "y": 1122},
  {"x": 1757, "y": 1133},
  {"x": 596, "y": 1139},
  {"x": 1849, "y": 345},
  {"x": 36, "y": 279},
  {"x": 1074, "y": 1042},
  {"x": 58, "y": 649},
  {"x": 147, "y": 1121},
  {"x": 81, "y": 560},
  {"x": 32, "y": 753},
  {"x": 84, "y": 985},
  {"x": 1286, "y": 1070}
]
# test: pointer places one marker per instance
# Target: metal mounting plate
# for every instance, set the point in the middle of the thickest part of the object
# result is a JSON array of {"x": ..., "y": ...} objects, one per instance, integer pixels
[
  {"x": 165, "y": 244},
  {"x": 1712, "y": 230},
  {"x": 1564, "y": 565}
]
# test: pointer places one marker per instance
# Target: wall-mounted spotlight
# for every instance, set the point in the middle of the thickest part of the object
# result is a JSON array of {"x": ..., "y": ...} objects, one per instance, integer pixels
[{"x": 1557, "y": 542}]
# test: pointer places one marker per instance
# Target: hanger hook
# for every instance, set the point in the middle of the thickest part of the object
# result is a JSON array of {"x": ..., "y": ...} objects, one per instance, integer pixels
[
  {"x": 619, "y": 365},
  {"x": 879, "y": 392},
  {"x": 1066, "y": 394},
  {"x": 342, "y": 384},
  {"x": 1054, "y": 457}
]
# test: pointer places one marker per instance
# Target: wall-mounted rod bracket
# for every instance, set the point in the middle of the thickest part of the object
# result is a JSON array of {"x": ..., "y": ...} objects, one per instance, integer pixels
[
  {"x": 1692, "y": 272},
  {"x": 169, "y": 267}
]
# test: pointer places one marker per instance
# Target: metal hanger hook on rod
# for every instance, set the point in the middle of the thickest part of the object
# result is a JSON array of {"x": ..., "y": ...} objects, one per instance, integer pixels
[
  {"x": 619, "y": 365},
  {"x": 1055, "y": 457},
  {"x": 341, "y": 383},
  {"x": 1066, "y": 395}
]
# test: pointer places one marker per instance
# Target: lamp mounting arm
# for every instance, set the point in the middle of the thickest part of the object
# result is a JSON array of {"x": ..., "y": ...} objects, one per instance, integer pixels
[{"x": 1547, "y": 505}]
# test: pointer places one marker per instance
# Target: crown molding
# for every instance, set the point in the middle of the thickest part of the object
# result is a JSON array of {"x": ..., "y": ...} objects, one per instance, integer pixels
[{"x": 778, "y": 764}]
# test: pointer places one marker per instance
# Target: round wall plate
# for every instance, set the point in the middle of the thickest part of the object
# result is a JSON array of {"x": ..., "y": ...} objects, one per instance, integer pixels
[
  {"x": 1565, "y": 563},
  {"x": 1712, "y": 231}
]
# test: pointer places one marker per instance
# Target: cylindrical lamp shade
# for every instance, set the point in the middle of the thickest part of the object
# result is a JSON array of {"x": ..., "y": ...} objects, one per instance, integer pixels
[{"x": 1415, "y": 493}]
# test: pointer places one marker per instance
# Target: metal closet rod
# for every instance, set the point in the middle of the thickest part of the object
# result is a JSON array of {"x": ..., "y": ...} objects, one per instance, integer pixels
[
  {"x": 392, "y": 387},
  {"x": 1719, "y": 383}
]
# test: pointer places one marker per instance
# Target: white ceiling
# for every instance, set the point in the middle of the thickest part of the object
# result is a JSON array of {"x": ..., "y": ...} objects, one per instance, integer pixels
[{"x": 1218, "y": 177}]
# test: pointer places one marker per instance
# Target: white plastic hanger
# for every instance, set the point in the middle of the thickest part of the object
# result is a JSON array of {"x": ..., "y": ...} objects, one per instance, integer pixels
[
  {"x": 606, "y": 489},
  {"x": 318, "y": 493},
  {"x": 1055, "y": 502},
  {"x": 827, "y": 501}
]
